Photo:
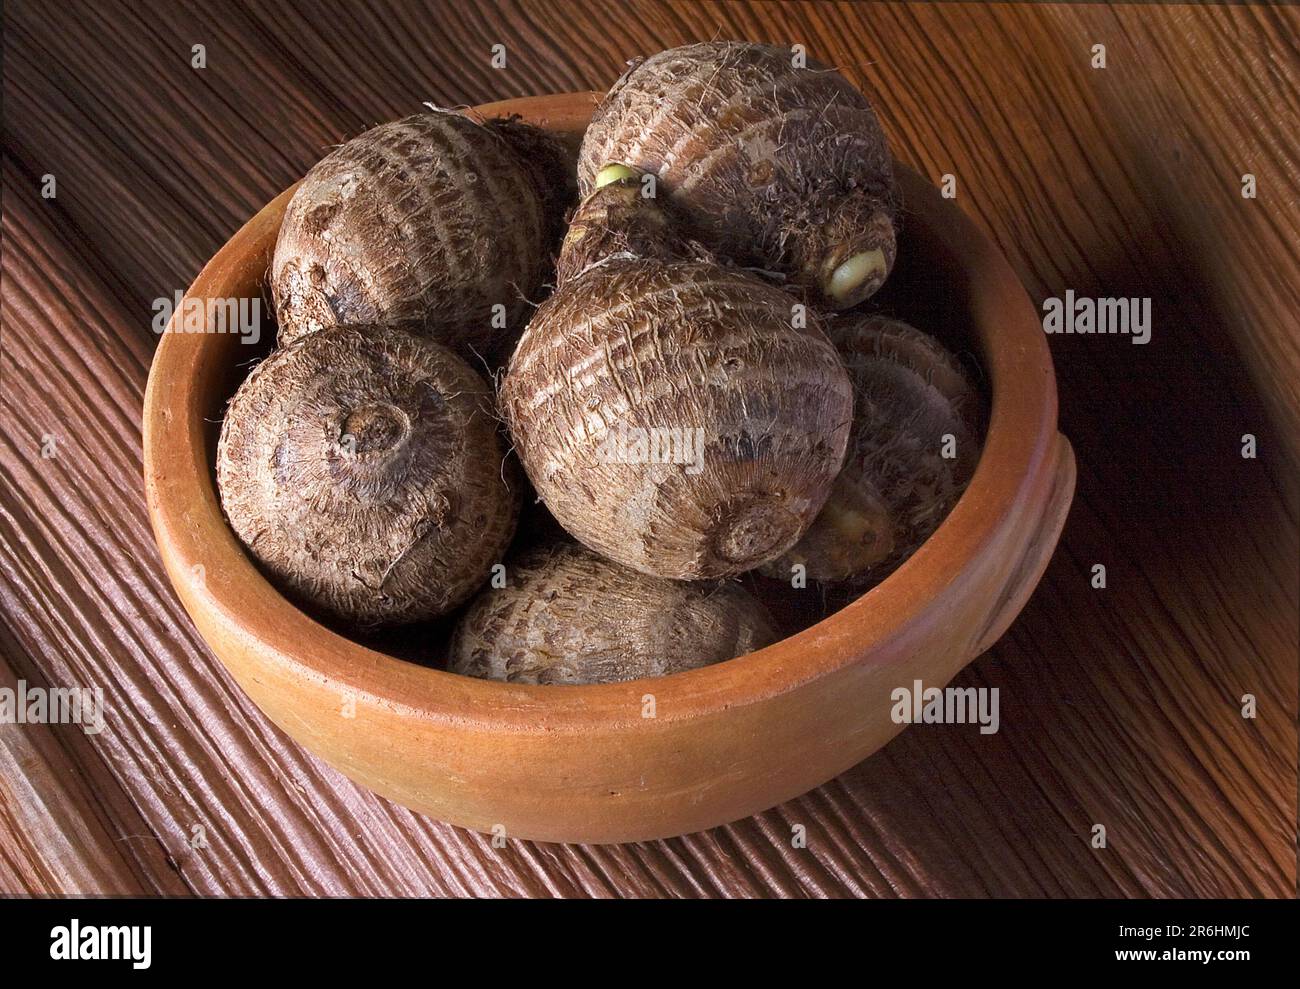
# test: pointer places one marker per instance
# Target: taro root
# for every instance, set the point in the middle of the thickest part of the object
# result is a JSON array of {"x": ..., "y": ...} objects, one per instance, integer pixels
[
  {"x": 677, "y": 417},
  {"x": 569, "y": 616},
  {"x": 910, "y": 394},
  {"x": 431, "y": 223},
  {"x": 778, "y": 166},
  {"x": 549, "y": 161},
  {"x": 363, "y": 468},
  {"x": 617, "y": 220}
]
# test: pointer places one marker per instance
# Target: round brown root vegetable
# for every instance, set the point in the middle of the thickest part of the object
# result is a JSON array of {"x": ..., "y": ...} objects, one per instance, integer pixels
[
  {"x": 430, "y": 223},
  {"x": 616, "y": 219},
  {"x": 680, "y": 418},
  {"x": 569, "y": 616},
  {"x": 894, "y": 340},
  {"x": 913, "y": 404},
  {"x": 549, "y": 161},
  {"x": 774, "y": 165},
  {"x": 363, "y": 467}
]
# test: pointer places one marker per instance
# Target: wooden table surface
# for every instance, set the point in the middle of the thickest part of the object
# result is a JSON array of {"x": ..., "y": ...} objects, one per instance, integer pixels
[{"x": 1120, "y": 706}]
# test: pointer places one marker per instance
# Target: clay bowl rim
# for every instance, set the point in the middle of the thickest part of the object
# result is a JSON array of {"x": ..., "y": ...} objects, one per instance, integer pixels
[{"x": 190, "y": 528}]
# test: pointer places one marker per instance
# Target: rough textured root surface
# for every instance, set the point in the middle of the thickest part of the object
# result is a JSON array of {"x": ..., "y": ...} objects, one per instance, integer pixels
[
  {"x": 363, "y": 468},
  {"x": 617, "y": 220},
  {"x": 776, "y": 167},
  {"x": 897, "y": 485},
  {"x": 676, "y": 418},
  {"x": 426, "y": 223},
  {"x": 549, "y": 163},
  {"x": 904, "y": 344},
  {"x": 569, "y": 616}
]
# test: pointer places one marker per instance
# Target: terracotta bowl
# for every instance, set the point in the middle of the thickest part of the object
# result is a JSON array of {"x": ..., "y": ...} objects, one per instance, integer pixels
[{"x": 582, "y": 764}]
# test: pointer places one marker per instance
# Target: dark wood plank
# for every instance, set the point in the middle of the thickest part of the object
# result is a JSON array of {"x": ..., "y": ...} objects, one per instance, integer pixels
[{"x": 1119, "y": 706}]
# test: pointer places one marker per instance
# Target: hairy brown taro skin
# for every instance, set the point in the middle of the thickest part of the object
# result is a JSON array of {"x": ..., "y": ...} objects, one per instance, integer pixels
[
  {"x": 678, "y": 346},
  {"x": 896, "y": 486},
  {"x": 779, "y": 167},
  {"x": 549, "y": 162},
  {"x": 425, "y": 223},
  {"x": 363, "y": 467},
  {"x": 617, "y": 219},
  {"x": 569, "y": 616}
]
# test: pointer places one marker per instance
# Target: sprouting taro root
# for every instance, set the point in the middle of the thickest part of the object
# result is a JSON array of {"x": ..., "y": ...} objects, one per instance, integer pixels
[
  {"x": 363, "y": 467},
  {"x": 617, "y": 219},
  {"x": 569, "y": 616},
  {"x": 431, "y": 223},
  {"x": 680, "y": 418},
  {"x": 774, "y": 165},
  {"x": 897, "y": 484}
]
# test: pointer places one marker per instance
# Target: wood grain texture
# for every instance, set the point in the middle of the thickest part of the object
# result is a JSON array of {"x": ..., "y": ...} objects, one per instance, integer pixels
[{"x": 1118, "y": 706}]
